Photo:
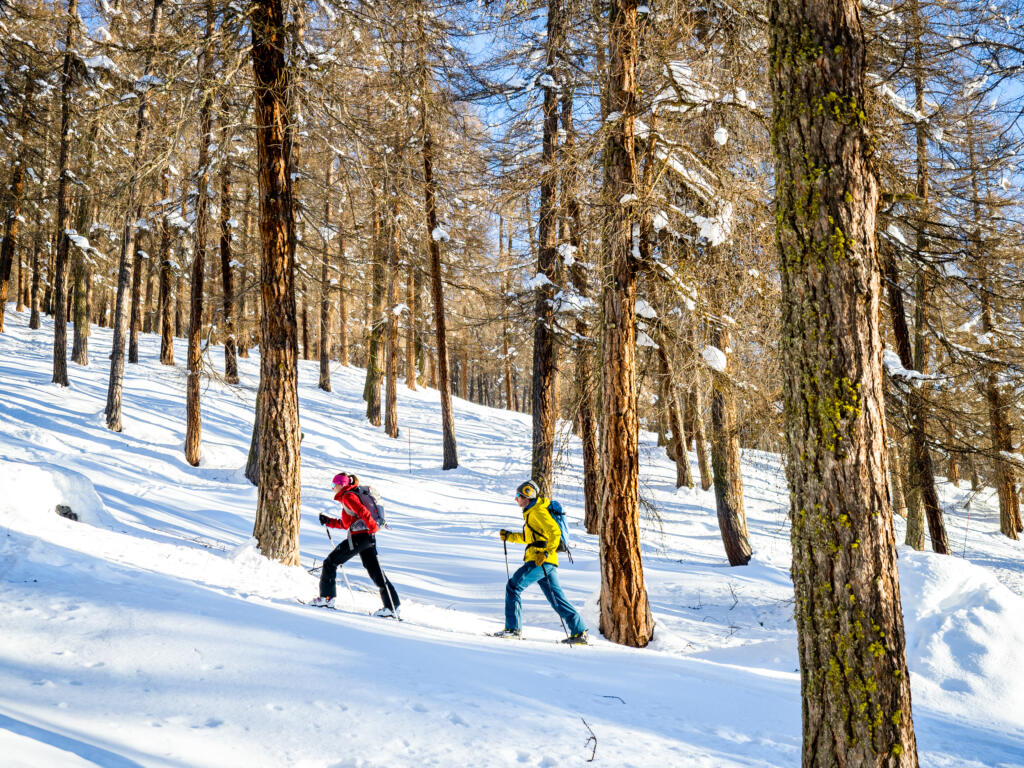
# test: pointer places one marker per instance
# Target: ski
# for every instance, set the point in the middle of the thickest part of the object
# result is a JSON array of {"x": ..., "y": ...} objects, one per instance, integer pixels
[
  {"x": 531, "y": 640},
  {"x": 342, "y": 610}
]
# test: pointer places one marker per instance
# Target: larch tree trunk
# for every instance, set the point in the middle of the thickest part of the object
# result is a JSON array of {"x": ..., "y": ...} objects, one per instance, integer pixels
[
  {"x": 375, "y": 332},
  {"x": 325, "y": 288},
  {"x": 412, "y": 308},
  {"x": 343, "y": 351},
  {"x": 391, "y": 302},
  {"x": 855, "y": 685},
  {"x": 450, "y": 453},
  {"x": 545, "y": 349},
  {"x": 227, "y": 265},
  {"x": 59, "y": 277},
  {"x": 278, "y": 500},
  {"x": 194, "y": 354},
  {"x": 999, "y": 422},
  {"x": 165, "y": 299},
  {"x": 684, "y": 477},
  {"x": 625, "y": 610},
  {"x": 80, "y": 267},
  {"x": 135, "y": 311},
  {"x": 922, "y": 496},
  {"x": 695, "y": 407},
  {"x": 725, "y": 460},
  {"x": 14, "y": 198},
  {"x": 899, "y": 499},
  {"x": 584, "y": 354},
  {"x": 35, "y": 292},
  {"x": 116, "y": 381}
]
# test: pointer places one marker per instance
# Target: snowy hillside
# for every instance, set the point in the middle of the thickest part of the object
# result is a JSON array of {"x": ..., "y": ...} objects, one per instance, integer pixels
[{"x": 151, "y": 632}]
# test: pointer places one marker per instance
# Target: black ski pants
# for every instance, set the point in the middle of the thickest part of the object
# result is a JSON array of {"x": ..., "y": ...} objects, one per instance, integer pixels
[{"x": 363, "y": 544}]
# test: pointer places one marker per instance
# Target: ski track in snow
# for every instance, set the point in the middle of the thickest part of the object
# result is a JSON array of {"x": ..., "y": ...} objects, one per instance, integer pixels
[{"x": 154, "y": 634}]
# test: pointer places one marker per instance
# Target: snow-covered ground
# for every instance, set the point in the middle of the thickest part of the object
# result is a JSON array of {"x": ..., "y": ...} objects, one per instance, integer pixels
[{"x": 152, "y": 633}]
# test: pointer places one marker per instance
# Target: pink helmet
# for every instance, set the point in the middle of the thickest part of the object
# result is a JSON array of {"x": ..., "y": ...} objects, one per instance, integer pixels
[{"x": 342, "y": 479}]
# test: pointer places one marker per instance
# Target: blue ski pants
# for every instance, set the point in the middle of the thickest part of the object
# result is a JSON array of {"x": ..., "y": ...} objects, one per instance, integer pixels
[{"x": 546, "y": 576}]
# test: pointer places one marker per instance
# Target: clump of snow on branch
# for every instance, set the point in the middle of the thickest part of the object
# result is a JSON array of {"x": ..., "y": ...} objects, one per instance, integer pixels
[{"x": 715, "y": 358}]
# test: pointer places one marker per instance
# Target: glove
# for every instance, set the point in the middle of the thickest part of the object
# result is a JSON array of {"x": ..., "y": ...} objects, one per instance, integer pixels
[
  {"x": 503, "y": 534},
  {"x": 323, "y": 519},
  {"x": 540, "y": 556}
]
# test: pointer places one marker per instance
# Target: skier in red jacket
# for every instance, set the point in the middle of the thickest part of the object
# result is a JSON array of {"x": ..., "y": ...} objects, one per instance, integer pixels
[{"x": 361, "y": 527}]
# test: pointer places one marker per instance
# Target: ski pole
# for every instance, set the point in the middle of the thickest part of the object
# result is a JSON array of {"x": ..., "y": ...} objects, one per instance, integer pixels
[
  {"x": 505, "y": 545},
  {"x": 351, "y": 594}
]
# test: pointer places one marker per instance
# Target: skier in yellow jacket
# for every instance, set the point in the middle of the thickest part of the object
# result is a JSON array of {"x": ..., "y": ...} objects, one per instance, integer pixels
[{"x": 541, "y": 535}]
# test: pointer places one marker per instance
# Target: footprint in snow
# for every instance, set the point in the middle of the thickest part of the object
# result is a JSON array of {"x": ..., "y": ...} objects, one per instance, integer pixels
[
  {"x": 455, "y": 719},
  {"x": 418, "y": 707}
]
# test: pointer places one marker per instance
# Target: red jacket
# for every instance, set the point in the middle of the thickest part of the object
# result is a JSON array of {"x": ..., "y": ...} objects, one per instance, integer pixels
[{"x": 352, "y": 511}]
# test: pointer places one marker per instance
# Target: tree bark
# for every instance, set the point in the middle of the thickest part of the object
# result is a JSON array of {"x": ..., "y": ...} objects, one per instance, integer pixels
[
  {"x": 59, "y": 277},
  {"x": 15, "y": 197},
  {"x": 412, "y": 308},
  {"x": 684, "y": 477},
  {"x": 116, "y": 380},
  {"x": 625, "y": 611},
  {"x": 450, "y": 457},
  {"x": 193, "y": 416},
  {"x": 375, "y": 333},
  {"x": 725, "y": 461},
  {"x": 855, "y": 686},
  {"x": 135, "y": 313},
  {"x": 278, "y": 500},
  {"x": 81, "y": 271},
  {"x": 545, "y": 351},
  {"x": 325, "y": 289},
  {"x": 227, "y": 268},
  {"x": 342, "y": 300},
  {"x": 391, "y": 389},
  {"x": 165, "y": 306},
  {"x": 899, "y": 500}
]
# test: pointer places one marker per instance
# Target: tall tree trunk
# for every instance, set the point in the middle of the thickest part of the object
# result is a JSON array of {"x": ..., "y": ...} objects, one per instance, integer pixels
[
  {"x": 135, "y": 313},
  {"x": 278, "y": 500},
  {"x": 999, "y": 423},
  {"x": 391, "y": 392},
  {"x": 81, "y": 271},
  {"x": 116, "y": 381},
  {"x": 450, "y": 452},
  {"x": 625, "y": 611},
  {"x": 412, "y": 308},
  {"x": 855, "y": 686},
  {"x": 194, "y": 355},
  {"x": 374, "y": 347},
  {"x": 725, "y": 461},
  {"x": 545, "y": 352},
  {"x": 325, "y": 288},
  {"x": 179, "y": 300},
  {"x": 921, "y": 470},
  {"x": 35, "y": 294},
  {"x": 684, "y": 477},
  {"x": 14, "y": 198},
  {"x": 227, "y": 266},
  {"x": 59, "y": 278},
  {"x": 899, "y": 499},
  {"x": 342, "y": 299},
  {"x": 243, "y": 335},
  {"x": 695, "y": 406},
  {"x": 584, "y": 355},
  {"x": 166, "y": 307}
]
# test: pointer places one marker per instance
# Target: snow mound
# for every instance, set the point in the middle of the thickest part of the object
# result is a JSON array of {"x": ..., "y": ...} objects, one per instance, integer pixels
[
  {"x": 964, "y": 635},
  {"x": 32, "y": 491}
]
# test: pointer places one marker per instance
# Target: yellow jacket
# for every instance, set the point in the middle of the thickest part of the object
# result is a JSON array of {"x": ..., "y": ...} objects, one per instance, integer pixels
[{"x": 540, "y": 531}]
